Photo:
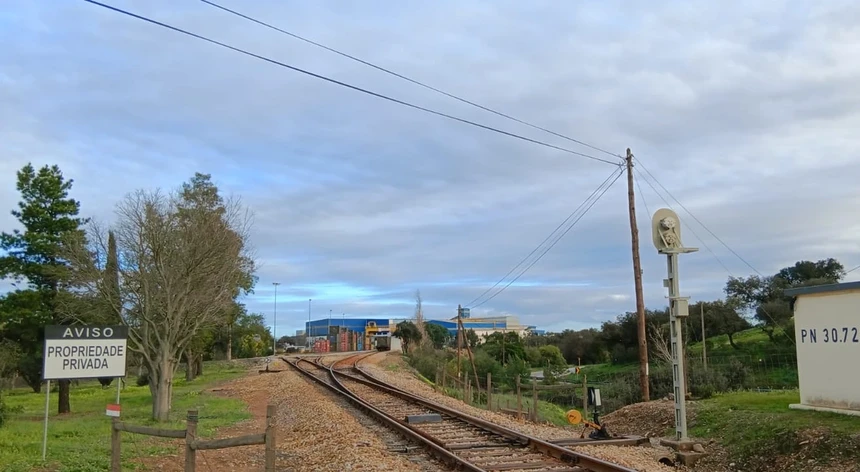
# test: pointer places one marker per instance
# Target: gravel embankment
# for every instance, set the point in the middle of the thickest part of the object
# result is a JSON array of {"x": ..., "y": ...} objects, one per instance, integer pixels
[
  {"x": 315, "y": 432},
  {"x": 405, "y": 380},
  {"x": 640, "y": 459}
]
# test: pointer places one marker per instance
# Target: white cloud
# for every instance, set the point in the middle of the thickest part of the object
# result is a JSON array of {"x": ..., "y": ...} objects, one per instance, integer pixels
[{"x": 746, "y": 112}]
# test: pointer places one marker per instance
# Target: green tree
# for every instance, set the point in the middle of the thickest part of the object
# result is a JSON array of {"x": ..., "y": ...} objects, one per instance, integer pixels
[
  {"x": 23, "y": 318},
  {"x": 113, "y": 301},
  {"x": 408, "y": 334},
  {"x": 582, "y": 347},
  {"x": 253, "y": 325},
  {"x": 181, "y": 269},
  {"x": 553, "y": 363},
  {"x": 437, "y": 334},
  {"x": 504, "y": 346},
  {"x": 472, "y": 338},
  {"x": 49, "y": 217},
  {"x": 763, "y": 296},
  {"x": 721, "y": 317},
  {"x": 826, "y": 271},
  {"x": 200, "y": 196},
  {"x": 517, "y": 366}
]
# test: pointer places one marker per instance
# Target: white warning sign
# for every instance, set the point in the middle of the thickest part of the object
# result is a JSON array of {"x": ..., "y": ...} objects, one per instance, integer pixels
[{"x": 81, "y": 352}]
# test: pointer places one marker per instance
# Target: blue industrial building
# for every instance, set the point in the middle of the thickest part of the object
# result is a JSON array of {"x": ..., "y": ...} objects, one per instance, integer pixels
[
  {"x": 318, "y": 328},
  {"x": 345, "y": 334},
  {"x": 370, "y": 328}
]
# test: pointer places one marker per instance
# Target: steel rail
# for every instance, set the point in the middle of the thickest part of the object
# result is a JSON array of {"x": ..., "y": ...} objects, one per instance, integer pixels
[
  {"x": 435, "y": 450},
  {"x": 574, "y": 458},
  {"x": 539, "y": 445}
]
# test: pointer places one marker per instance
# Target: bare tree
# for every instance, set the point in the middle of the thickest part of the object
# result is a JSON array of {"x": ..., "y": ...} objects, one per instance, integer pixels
[
  {"x": 661, "y": 341},
  {"x": 179, "y": 272},
  {"x": 662, "y": 349}
]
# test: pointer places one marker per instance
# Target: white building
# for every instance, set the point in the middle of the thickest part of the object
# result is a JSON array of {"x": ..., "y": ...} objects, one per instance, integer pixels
[
  {"x": 488, "y": 325},
  {"x": 827, "y": 330}
]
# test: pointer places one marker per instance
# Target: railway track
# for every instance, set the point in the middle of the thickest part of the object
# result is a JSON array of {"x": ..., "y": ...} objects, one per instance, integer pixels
[{"x": 462, "y": 441}]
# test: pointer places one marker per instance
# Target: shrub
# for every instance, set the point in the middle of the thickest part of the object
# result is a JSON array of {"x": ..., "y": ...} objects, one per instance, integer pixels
[
  {"x": 704, "y": 384},
  {"x": 737, "y": 375},
  {"x": 426, "y": 361}
]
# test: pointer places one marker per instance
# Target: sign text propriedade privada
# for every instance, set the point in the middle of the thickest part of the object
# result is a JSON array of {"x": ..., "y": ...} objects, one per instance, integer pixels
[{"x": 80, "y": 352}]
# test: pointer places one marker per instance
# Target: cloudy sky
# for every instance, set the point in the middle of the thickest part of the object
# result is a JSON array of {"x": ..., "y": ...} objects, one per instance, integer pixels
[{"x": 747, "y": 112}]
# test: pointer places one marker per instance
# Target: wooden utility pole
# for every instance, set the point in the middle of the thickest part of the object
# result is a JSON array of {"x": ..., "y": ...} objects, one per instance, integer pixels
[
  {"x": 459, "y": 340},
  {"x": 637, "y": 280},
  {"x": 462, "y": 329},
  {"x": 704, "y": 344}
]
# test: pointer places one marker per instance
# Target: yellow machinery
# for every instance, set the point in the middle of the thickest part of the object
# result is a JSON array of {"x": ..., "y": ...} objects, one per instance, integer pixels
[{"x": 600, "y": 432}]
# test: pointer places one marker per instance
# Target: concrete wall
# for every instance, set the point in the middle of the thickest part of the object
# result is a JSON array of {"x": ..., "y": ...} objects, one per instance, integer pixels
[{"x": 827, "y": 329}]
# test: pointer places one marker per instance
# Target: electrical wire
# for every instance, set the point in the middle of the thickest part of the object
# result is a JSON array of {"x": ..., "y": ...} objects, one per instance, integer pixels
[
  {"x": 852, "y": 270},
  {"x": 408, "y": 79},
  {"x": 642, "y": 196},
  {"x": 349, "y": 86},
  {"x": 593, "y": 202},
  {"x": 685, "y": 225},
  {"x": 557, "y": 228},
  {"x": 582, "y": 214},
  {"x": 763, "y": 309},
  {"x": 697, "y": 220}
]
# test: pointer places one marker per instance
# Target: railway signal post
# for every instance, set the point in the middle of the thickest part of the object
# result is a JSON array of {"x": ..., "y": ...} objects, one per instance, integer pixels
[{"x": 666, "y": 233}]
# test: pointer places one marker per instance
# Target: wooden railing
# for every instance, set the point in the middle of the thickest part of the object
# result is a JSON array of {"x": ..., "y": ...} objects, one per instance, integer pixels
[{"x": 192, "y": 443}]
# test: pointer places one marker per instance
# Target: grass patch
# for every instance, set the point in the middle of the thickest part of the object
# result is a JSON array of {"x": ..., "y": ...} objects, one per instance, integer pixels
[
  {"x": 547, "y": 411},
  {"x": 597, "y": 371},
  {"x": 751, "y": 423},
  {"x": 80, "y": 441},
  {"x": 751, "y": 342}
]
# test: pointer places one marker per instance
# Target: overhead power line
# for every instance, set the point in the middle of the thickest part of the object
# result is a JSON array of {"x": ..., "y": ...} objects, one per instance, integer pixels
[
  {"x": 588, "y": 204},
  {"x": 697, "y": 220},
  {"x": 852, "y": 270},
  {"x": 642, "y": 196},
  {"x": 684, "y": 224},
  {"x": 557, "y": 228},
  {"x": 763, "y": 309},
  {"x": 346, "y": 85},
  {"x": 408, "y": 79}
]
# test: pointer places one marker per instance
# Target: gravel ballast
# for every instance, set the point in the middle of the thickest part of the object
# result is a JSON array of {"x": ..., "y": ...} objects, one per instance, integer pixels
[
  {"x": 408, "y": 382},
  {"x": 637, "y": 458},
  {"x": 315, "y": 430}
]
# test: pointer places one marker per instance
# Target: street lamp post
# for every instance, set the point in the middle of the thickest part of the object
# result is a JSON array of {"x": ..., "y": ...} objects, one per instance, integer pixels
[
  {"x": 275, "y": 321},
  {"x": 308, "y": 333}
]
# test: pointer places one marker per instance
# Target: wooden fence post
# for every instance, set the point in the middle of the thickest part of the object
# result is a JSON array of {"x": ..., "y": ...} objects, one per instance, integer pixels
[
  {"x": 534, "y": 400},
  {"x": 271, "y": 411},
  {"x": 467, "y": 392},
  {"x": 519, "y": 400},
  {"x": 584, "y": 397},
  {"x": 190, "y": 436},
  {"x": 489, "y": 391},
  {"x": 115, "y": 446}
]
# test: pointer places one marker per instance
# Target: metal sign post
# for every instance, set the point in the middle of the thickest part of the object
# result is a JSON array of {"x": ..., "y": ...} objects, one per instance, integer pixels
[
  {"x": 666, "y": 232},
  {"x": 45, "y": 429},
  {"x": 82, "y": 352}
]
